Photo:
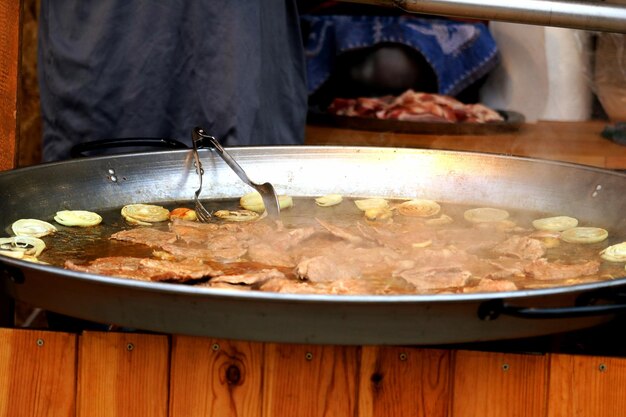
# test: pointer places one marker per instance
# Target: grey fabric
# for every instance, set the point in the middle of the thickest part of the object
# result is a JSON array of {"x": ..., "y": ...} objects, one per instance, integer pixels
[{"x": 147, "y": 68}]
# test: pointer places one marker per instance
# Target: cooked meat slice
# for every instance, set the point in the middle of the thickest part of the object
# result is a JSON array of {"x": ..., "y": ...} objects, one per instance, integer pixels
[
  {"x": 115, "y": 266},
  {"x": 491, "y": 285},
  {"x": 249, "y": 278},
  {"x": 341, "y": 233},
  {"x": 324, "y": 268},
  {"x": 544, "y": 270},
  {"x": 507, "y": 268},
  {"x": 435, "y": 278},
  {"x": 225, "y": 286},
  {"x": 286, "y": 285},
  {"x": 471, "y": 240},
  {"x": 145, "y": 236},
  {"x": 277, "y": 236},
  {"x": 449, "y": 257},
  {"x": 521, "y": 247},
  {"x": 201, "y": 233},
  {"x": 144, "y": 269},
  {"x": 184, "y": 270},
  {"x": 343, "y": 261},
  {"x": 213, "y": 252},
  {"x": 269, "y": 255},
  {"x": 397, "y": 236}
]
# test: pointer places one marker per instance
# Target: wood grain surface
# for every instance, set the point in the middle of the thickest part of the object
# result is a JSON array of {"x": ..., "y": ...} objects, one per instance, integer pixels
[
  {"x": 37, "y": 373},
  {"x": 577, "y": 142},
  {"x": 587, "y": 386},
  {"x": 122, "y": 375},
  {"x": 310, "y": 380},
  {"x": 132, "y": 374},
  {"x": 499, "y": 384},
  {"x": 10, "y": 32},
  {"x": 404, "y": 382},
  {"x": 212, "y": 377}
]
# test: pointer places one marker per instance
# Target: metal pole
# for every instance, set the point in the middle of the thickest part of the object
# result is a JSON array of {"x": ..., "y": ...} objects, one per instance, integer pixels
[{"x": 587, "y": 15}]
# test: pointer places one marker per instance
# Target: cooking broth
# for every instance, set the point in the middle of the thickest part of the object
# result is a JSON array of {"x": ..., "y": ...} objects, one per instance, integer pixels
[{"x": 83, "y": 245}]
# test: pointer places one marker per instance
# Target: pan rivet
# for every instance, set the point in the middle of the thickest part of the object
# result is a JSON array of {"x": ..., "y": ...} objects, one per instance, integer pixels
[
  {"x": 308, "y": 356},
  {"x": 602, "y": 367},
  {"x": 40, "y": 342},
  {"x": 595, "y": 193},
  {"x": 111, "y": 171},
  {"x": 113, "y": 178},
  {"x": 403, "y": 356},
  {"x": 130, "y": 347},
  {"x": 215, "y": 347},
  {"x": 505, "y": 367}
]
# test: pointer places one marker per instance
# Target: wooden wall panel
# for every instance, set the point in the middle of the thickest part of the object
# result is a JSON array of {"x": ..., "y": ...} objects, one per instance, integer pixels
[
  {"x": 122, "y": 375},
  {"x": 499, "y": 385},
  {"x": 587, "y": 386},
  {"x": 404, "y": 382},
  {"x": 212, "y": 377},
  {"x": 10, "y": 32},
  {"x": 37, "y": 373},
  {"x": 310, "y": 381},
  {"x": 129, "y": 374}
]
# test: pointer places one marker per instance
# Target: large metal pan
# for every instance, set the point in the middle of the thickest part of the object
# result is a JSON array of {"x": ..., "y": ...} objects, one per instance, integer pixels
[{"x": 108, "y": 182}]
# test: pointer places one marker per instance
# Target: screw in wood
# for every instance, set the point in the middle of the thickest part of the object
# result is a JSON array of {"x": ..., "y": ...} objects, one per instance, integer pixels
[
  {"x": 505, "y": 367},
  {"x": 40, "y": 342},
  {"x": 403, "y": 356},
  {"x": 215, "y": 347},
  {"x": 602, "y": 367},
  {"x": 308, "y": 356},
  {"x": 130, "y": 347}
]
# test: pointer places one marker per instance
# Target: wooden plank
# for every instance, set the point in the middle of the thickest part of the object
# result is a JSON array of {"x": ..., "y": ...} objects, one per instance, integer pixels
[
  {"x": 122, "y": 374},
  {"x": 306, "y": 381},
  {"x": 587, "y": 386},
  {"x": 499, "y": 384},
  {"x": 404, "y": 382},
  {"x": 213, "y": 377},
  {"x": 37, "y": 373},
  {"x": 10, "y": 32},
  {"x": 577, "y": 142}
]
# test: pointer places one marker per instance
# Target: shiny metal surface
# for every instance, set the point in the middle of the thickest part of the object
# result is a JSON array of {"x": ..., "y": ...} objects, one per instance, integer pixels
[
  {"x": 110, "y": 182},
  {"x": 587, "y": 15}
]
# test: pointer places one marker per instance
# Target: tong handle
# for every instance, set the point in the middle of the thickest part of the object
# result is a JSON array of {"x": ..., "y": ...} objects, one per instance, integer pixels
[
  {"x": 200, "y": 138},
  {"x": 268, "y": 194}
]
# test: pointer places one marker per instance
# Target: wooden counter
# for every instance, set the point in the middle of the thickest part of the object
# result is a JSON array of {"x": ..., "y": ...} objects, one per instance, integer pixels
[{"x": 577, "y": 142}]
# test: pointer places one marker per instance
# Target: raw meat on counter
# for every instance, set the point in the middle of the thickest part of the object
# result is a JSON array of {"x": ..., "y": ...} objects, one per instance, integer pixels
[{"x": 414, "y": 106}]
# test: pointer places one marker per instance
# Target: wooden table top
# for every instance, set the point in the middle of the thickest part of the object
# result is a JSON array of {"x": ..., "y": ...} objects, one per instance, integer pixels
[{"x": 577, "y": 142}]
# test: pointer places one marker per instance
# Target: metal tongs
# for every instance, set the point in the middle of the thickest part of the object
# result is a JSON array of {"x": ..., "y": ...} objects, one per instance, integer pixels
[{"x": 268, "y": 194}]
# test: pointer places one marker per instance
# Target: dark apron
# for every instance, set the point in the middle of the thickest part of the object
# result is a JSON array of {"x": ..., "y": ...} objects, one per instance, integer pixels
[{"x": 112, "y": 69}]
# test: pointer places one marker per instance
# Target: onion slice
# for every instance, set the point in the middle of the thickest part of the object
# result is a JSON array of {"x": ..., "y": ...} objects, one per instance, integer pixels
[
  {"x": 32, "y": 227},
  {"x": 144, "y": 214},
  {"x": 329, "y": 200},
  {"x": 555, "y": 224},
  {"x": 80, "y": 218},
  {"x": 584, "y": 235},
  {"x": 237, "y": 215},
  {"x": 615, "y": 253},
  {"x": 371, "y": 203},
  {"x": 485, "y": 214},
  {"x": 419, "y": 208},
  {"x": 26, "y": 245},
  {"x": 254, "y": 202}
]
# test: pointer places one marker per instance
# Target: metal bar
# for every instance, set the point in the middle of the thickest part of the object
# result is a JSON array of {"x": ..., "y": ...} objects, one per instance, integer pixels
[{"x": 587, "y": 15}]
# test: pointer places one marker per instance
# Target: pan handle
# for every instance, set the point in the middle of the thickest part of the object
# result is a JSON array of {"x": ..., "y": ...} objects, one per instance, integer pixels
[
  {"x": 100, "y": 146},
  {"x": 585, "y": 306}
]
